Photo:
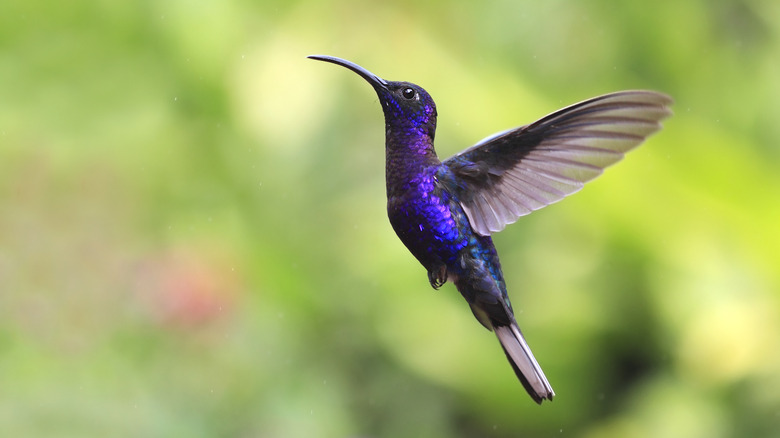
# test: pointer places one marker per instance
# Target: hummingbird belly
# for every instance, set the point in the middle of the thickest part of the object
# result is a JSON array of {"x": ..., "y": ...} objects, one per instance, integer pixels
[{"x": 429, "y": 222}]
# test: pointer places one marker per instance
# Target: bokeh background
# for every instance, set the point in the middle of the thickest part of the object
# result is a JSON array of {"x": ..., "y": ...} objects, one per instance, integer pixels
[{"x": 193, "y": 238}]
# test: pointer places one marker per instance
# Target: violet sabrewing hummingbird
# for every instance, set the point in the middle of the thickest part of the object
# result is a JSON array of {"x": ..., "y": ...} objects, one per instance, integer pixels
[{"x": 445, "y": 211}]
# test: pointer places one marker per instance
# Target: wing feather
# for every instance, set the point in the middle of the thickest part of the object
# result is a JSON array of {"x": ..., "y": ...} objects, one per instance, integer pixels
[{"x": 512, "y": 173}]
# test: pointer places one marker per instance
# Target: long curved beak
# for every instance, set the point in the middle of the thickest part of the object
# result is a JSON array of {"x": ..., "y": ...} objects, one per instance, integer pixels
[{"x": 372, "y": 79}]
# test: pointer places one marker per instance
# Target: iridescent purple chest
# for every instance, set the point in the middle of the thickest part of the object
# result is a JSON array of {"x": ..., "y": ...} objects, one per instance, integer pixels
[{"x": 428, "y": 221}]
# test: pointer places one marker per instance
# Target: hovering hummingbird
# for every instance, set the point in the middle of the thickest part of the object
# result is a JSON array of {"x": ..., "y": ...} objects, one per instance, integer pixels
[{"x": 445, "y": 211}]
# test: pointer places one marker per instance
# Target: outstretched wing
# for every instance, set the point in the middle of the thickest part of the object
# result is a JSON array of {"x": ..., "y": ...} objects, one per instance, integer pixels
[{"x": 521, "y": 170}]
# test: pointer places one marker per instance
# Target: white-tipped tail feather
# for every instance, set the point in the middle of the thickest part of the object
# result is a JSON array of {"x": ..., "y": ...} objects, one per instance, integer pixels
[{"x": 527, "y": 369}]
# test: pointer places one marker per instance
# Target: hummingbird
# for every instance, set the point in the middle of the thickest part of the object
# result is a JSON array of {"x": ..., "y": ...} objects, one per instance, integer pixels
[{"x": 445, "y": 212}]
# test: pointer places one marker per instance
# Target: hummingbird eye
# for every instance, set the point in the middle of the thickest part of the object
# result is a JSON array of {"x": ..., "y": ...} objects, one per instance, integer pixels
[{"x": 408, "y": 93}]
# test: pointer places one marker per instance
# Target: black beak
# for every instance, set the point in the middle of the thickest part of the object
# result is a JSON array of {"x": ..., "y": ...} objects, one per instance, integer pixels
[{"x": 372, "y": 79}]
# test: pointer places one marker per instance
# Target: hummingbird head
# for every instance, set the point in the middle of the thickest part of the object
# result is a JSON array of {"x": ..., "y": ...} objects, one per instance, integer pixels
[{"x": 408, "y": 108}]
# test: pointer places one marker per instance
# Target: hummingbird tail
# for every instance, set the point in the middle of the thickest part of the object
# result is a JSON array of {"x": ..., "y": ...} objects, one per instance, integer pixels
[{"x": 527, "y": 369}]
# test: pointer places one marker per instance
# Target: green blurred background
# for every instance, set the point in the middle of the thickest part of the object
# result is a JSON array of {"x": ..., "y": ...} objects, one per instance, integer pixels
[{"x": 193, "y": 238}]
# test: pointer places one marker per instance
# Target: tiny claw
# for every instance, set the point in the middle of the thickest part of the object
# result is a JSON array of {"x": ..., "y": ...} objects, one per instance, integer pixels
[{"x": 438, "y": 277}]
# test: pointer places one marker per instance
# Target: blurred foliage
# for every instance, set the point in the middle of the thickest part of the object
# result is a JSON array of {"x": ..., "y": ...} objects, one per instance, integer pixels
[{"x": 193, "y": 239}]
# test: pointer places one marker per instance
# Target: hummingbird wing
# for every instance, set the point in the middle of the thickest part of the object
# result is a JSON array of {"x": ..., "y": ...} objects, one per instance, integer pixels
[{"x": 515, "y": 172}]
